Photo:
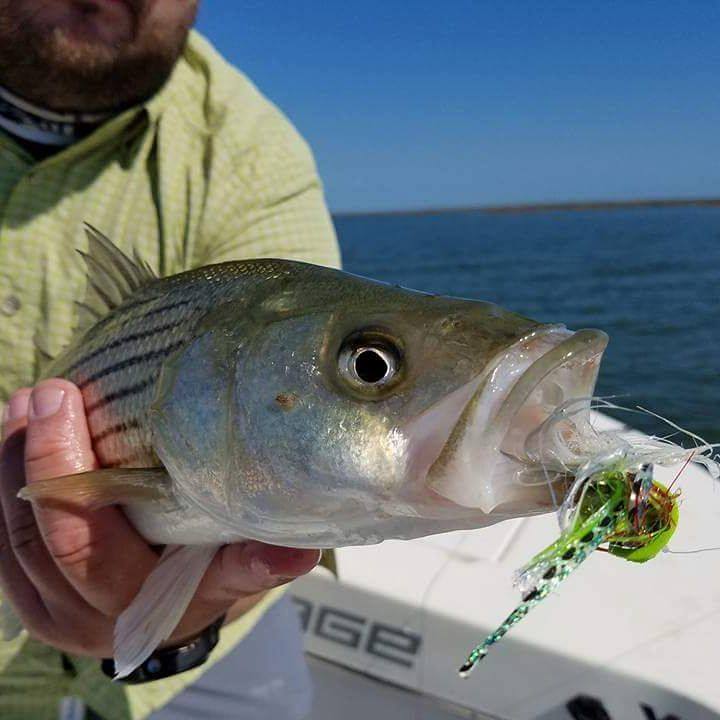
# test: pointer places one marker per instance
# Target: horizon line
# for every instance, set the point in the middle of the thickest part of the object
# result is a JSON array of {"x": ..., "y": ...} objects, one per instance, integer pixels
[{"x": 542, "y": 207}]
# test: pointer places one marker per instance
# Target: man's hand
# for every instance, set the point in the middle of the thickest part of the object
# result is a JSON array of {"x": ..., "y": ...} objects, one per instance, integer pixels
[{"x": 69, "y": 574}]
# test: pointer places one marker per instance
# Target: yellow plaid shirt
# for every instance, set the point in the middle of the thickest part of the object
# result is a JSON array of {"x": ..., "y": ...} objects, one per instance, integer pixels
[{"x": 207, "y": 170}]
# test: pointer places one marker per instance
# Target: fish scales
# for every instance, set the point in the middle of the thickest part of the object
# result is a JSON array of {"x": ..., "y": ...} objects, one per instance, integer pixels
[{"x": 116, "y": 364}]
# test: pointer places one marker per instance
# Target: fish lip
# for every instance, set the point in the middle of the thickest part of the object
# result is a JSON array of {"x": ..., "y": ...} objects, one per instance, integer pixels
[
  {"x": 430, "y": 433},
  {"x": 577, "y": 346},
  {"x": 476, "y": 443}
]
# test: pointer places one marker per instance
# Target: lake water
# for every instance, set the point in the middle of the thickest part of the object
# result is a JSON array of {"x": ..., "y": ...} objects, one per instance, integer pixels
[{"x": 649, "y": 277}]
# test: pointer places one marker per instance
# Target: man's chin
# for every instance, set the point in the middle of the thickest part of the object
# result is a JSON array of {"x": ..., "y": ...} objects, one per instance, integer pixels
[
  {"x": 90, "y": 55},
  {"x": 89, "y": 75},
  {"x": 74, "y": 52}
]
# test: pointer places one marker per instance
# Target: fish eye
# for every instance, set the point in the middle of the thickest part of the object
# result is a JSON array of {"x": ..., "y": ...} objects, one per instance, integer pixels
[
  {"x": 369, "y": 361},
  {"x": 371, "y": 365}
]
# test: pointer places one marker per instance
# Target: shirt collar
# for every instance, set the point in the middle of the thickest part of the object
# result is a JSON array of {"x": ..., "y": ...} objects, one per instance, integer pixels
[
  {"x": 116, "y": 128},
  {"x": 29, "y": 122}
]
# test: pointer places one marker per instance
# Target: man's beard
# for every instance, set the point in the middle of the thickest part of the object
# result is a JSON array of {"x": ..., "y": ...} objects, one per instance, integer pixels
[{"x": 58, "y": 72}]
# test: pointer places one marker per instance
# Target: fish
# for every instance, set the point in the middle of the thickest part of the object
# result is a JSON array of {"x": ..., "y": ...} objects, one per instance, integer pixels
[{"x": 300, "y": 405}]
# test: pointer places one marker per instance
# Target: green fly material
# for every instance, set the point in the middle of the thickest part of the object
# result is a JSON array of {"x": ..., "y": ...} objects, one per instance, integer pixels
[{"x": 613, "y": 499}]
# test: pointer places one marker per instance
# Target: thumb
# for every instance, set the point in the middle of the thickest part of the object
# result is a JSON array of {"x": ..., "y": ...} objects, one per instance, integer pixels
[
  {"x": 57, "y": 440},
  {"x": 83, "y": 543}
]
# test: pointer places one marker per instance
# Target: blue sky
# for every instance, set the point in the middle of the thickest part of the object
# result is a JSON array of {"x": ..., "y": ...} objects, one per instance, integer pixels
[{"x": 416, "y": 104}]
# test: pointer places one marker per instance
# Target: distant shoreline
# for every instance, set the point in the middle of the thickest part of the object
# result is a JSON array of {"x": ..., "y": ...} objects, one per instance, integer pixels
[{"x": 543, "y": 207}]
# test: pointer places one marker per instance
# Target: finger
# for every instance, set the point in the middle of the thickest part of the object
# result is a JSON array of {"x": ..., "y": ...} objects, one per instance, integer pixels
[
  {"x": 242, "y": 572},
  {"x": 15, "y": 584},
  {"x": 15, "y": 413},
  {"x": 84, "y": 544},
  {"x": 24, "y": 541},
  {"x": 46, "y": 603},
  {"x": 58, "y": 440},
  {"x": 250, "y": 567}
]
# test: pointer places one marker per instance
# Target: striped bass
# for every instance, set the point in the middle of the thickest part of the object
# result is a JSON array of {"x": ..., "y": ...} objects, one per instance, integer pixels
[{"x": 299, "y": 405}]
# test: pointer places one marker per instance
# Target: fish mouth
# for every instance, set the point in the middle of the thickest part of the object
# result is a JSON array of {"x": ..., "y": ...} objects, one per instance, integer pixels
[{"x": 483, "y": 462}]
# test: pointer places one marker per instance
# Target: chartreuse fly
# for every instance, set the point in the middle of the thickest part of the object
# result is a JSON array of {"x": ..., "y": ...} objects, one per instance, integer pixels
[
  {"x": 614, "y": 501},
  {"x": 627, "y": 509}
]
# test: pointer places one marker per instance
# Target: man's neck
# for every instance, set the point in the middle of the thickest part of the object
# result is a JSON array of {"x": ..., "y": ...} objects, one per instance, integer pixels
[{"x": 44, "y": 132}]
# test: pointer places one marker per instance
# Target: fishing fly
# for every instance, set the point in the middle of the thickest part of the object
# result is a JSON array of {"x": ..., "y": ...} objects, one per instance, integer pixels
[{"x": 613, "y": 500}]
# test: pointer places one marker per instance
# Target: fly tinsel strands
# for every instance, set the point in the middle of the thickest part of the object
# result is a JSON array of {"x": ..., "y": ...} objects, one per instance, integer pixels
[
  {"x": 681, "y": 471},
  {"x": 558, "y": 561}
]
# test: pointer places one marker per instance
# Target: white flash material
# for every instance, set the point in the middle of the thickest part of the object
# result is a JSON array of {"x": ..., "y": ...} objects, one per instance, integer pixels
[{"x": 569, "y": 440}]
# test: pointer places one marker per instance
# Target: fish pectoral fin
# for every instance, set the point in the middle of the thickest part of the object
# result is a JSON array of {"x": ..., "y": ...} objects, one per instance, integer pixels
[
  {"x": 158, "y": 607},
  {"x": 97, "y": 488}
]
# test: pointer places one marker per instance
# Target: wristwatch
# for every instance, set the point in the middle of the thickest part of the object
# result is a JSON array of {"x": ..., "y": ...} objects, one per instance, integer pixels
[{"x": 165, "y": 662}]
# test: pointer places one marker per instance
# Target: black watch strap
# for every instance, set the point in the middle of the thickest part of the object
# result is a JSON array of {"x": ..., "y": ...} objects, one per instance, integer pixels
[{"x": 165, "y": 662}]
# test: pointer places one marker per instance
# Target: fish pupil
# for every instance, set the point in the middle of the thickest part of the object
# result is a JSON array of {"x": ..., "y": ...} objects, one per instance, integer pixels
[{"x": 371, "y": 366}]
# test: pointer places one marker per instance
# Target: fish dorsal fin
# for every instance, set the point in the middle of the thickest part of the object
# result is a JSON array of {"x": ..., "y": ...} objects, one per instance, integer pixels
[{"x": 111, "y": 277}]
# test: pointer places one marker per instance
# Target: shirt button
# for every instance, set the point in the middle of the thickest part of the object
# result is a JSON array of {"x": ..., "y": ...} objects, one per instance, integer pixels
[{"x": 10, "y": 305}]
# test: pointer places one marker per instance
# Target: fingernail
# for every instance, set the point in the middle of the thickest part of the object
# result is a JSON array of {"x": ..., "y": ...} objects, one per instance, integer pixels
[
  {"x": 264, "y": 570},
  {"x": 46, "y": 401},
  {"x": 274, "y": 565},
  {"x": 274, "y": 554},
  {"x": 17, "y": 406}
]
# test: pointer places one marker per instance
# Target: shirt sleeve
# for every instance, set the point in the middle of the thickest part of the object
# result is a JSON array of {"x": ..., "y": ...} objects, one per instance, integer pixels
[{"x": 265, "y": 199}]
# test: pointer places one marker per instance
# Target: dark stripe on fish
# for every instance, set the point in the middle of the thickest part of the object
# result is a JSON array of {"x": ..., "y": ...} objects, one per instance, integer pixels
[
  {"x": 125, "y": 309},
  {"x": 120, "y": 394},
  {"x": 123, "y": 341},
  {"x": 147, "y": 357},
  {"x": 162, "y": 309},
  {"x": 131, "y": 424}
]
